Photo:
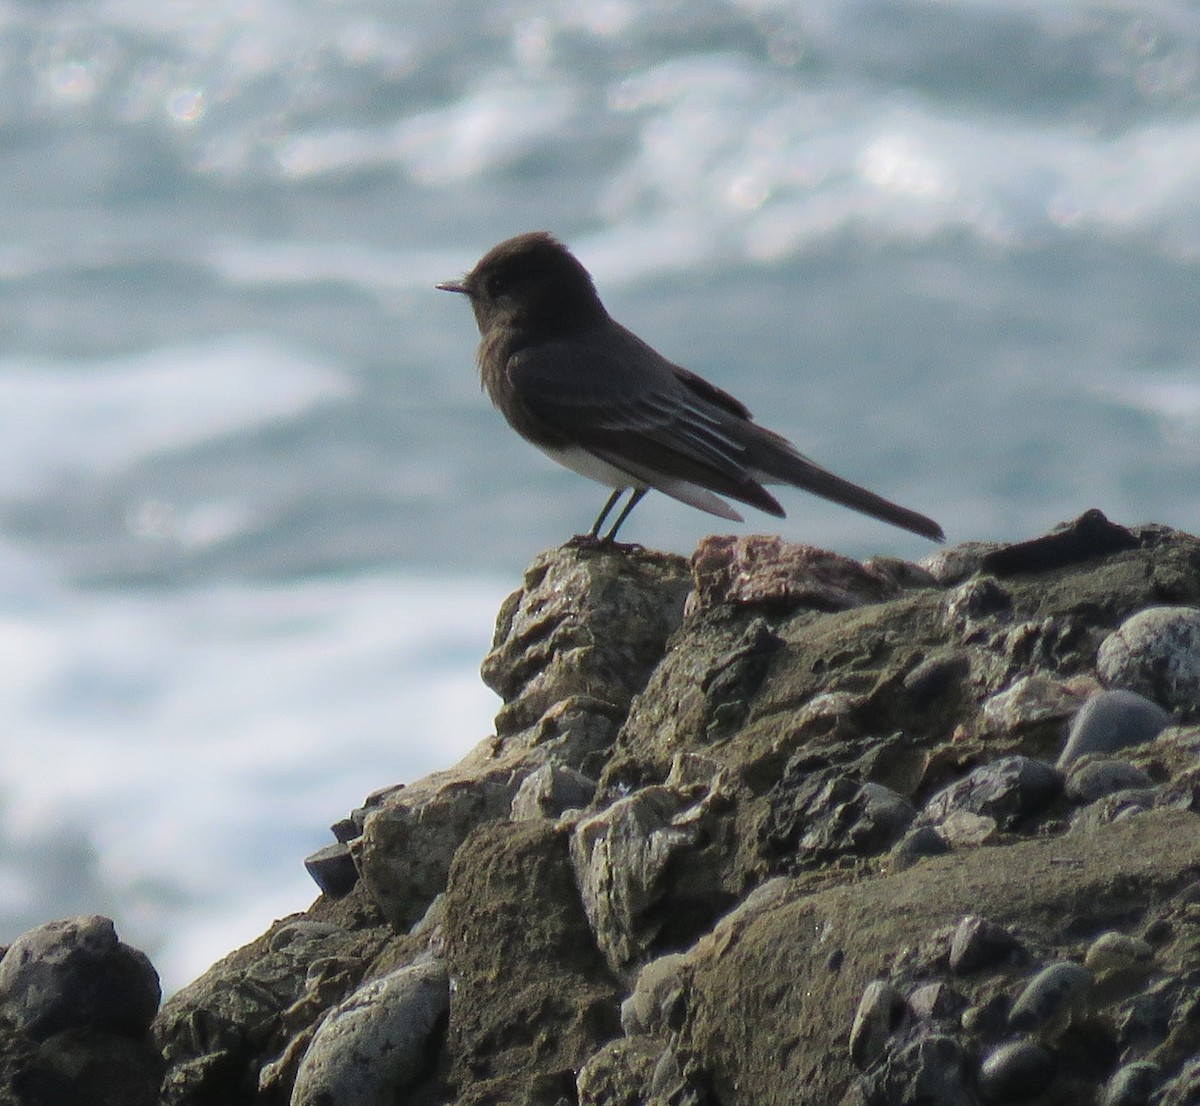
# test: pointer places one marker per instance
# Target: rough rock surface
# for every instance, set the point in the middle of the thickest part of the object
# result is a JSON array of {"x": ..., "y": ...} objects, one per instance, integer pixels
[
  {"x": 75, "y": 1011},
  {"x": 774, "y": 827}
]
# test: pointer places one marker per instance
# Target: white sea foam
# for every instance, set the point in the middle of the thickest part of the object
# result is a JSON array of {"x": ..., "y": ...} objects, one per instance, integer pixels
[
  {"x": 96, "y": 417},
  {"x": 206, "y": 739}
]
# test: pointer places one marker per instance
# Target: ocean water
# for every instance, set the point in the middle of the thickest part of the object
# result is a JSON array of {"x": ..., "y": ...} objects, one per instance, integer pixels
[{"x": 255, "y": 515}]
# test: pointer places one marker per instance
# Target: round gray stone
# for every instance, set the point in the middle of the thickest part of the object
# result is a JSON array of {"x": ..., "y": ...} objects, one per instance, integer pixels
[
  {"x": 1112, "y": 720},
  {"x": 377, "y": 1042},
  {"x": 76, "y": 974},
  {"x": 1016, "y": 1072},
  {"x": 1156, "y": 652},
  {"x": 1132, "y": 1084},
  {"x": 1054, "y": 991},
  {"x": 1098, "y": 778}
]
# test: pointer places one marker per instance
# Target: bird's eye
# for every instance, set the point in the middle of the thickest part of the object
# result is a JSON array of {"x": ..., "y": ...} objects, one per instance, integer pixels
[{"x": 495, "y": 285}]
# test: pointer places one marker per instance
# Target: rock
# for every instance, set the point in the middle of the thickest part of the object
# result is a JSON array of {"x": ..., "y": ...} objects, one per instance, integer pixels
[
  {"x": 83, "y": 1067},
  {"x": 1112, "y": 808},
  {"x": 932, "y": 677},
  {"x": 1054, "y": 992},
  {"x": 730, "y": 685},
  {"x": 1016, "y": 1072},
  {"x": 218, "y": 1034},
  {"x": 590, "y": 622},
  {"x": 1132, "y": 1084},
  {"x": 953, "y": 564},
  {"x": 1143, "y": 1022},
  {"x": 1010, "y": 790},
  {"x": 408, "y": 842},
  {"x": 1095, "y": 779},
  {"x": 332, "y": 869},
  {"x": 377, "y": 1043},
  {"x": 549, "y": 791},
  {"x": 656, "y": 1004},
  {"x": 930, "y": 1070},
  {"x": 672, "y": 1082},
  {"x": 978, "y": 944},
  {"x": 1112, "y": 720},
  {"x": 75, "y": 974},
  {"x": 754, "y": 735},
  {"x": 1090, "y": 535},
  {"x": 1157, "y": 654},
  {"x": 961, "y": 829},
  {"x": 1115, "y": 951},
  {"x": 971, "y": 605},
  {"x": 988, "y": 1018},
  {"x": 881, "y": 1012},
  {"x": 621, "y": 855},
  {"x": 1030, "y": 700},
  {"x": 1184, "y": 1088},
  {"x": 917, "y": 845},
  {"x": 782, "y": 577},
  {"x": 620, "y": 1073},
  {"x": 937, "y": 1002},
  {"x": 815, "y": 816},
  {"x": 533, "y": 997}
]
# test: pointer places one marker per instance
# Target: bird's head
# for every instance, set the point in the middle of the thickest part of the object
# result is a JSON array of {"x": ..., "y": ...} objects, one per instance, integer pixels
[{"x": 531, "y": 281}]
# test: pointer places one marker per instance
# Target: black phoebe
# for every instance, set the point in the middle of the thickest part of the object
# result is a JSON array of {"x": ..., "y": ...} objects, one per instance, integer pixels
[{"x": 597, "y": 399}]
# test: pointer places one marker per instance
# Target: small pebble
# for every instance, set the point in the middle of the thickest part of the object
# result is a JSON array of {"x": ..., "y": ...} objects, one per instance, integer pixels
[
  {"x": 886, "y": 813},
  {"x": 936, "y": 1002},
  {"x": 332, "y": 870},
  {"x": 1144, "y": 1022},
  {"x": 1050, "y": 994},
  {"x": 1112, "y": 720},
  {"x": 978, "y": 944},
  {"x": 988, "y": 1018},
  {"x": 1030, "y": 700},
  {"x": 1156, "y": 652},
  {"x": 917, "y": 845},
  {"x": 1016, "y": 1072},
  {"x": 657, "y": 1002},
  {"x": 953, "y": 564},
  {"x": 550, "y": 790},
  {"x": 1132, "y": 1084},
  {"x": 961, "y": 829},
  {"x": 1115, "y": 951},
  {"x": 1112, "y": 808},
  {"x": 1009, "y": 790},
  {"x": 303, "y": 931},
  {"x": 1097, "y": 778},
  {"x": 881, "y": 1012},
  {"x": 930, "y": 679},
  {"x": 979, "y": 598}
]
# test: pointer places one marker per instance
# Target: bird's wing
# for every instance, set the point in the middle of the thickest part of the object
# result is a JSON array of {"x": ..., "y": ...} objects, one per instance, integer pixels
[{"x": 625, "y": 403}]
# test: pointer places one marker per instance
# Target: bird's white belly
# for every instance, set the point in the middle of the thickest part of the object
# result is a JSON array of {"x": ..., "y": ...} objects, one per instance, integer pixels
[{"x": 587, "y": 464}]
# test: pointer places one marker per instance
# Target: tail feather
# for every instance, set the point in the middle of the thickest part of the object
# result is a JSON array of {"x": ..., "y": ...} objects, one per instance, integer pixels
[{"x": 792, "y": 468}]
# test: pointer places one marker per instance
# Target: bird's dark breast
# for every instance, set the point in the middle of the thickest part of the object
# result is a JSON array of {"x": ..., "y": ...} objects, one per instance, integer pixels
[{"x": 496, "y": 350}]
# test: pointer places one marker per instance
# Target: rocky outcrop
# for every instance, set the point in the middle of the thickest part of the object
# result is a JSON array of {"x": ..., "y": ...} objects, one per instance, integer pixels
[{"x": 772, "y": 826}]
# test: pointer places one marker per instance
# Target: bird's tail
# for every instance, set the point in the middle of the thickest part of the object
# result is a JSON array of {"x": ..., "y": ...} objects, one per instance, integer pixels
[{"x": 779, "y": 461}]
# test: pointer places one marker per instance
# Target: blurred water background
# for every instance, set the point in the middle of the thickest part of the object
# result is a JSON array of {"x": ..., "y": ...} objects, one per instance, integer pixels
[{"x": 255, "y": 515}]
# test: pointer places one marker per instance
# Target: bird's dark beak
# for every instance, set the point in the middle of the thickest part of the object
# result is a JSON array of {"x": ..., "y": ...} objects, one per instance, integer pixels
[{"x": 454, "y": 286}]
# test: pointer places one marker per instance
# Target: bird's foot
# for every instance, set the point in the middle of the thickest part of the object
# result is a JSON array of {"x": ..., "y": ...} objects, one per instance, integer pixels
[{"x": 600, "y": 544}]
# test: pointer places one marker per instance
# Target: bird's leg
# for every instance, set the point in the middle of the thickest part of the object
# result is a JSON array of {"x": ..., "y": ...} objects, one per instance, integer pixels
[
  {"x": 634, "y": 500},
  {"x": 612, "y": 502}
]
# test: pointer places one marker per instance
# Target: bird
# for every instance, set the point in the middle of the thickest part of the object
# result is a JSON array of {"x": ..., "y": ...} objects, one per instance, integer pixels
[{"x": 597, "y": 399}]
